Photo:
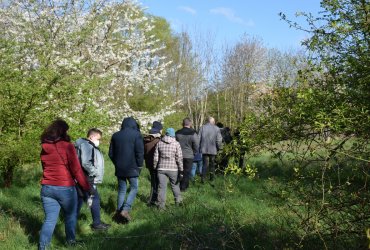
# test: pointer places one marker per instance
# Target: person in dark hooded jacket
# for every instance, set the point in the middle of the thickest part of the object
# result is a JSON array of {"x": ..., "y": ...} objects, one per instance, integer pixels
[{"x": 126, "y": 151}]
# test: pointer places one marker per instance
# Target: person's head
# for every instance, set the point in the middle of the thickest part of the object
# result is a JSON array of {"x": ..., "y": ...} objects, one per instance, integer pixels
[
  {"x": 186, "y": 122},
  {"x": 211, "y": 120},
  {"x": 57, "y": 130},
  {"x": 170, "y": 132},
  {"x": 156, "y": 128},
  {"x": 94, "y": 135},
  {"x": 220, "y": 125}
]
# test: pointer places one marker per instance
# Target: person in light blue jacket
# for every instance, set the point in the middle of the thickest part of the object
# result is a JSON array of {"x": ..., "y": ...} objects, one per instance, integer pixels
[{"x": 92, "y": 162}]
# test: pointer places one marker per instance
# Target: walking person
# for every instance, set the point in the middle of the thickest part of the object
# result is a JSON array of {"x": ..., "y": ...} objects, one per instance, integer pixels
[
  {"x": 126, "y": 151},
  {"x": 92, "y": 162},
  {"x": 223, "y": 160},
  {"x": 210, "y": 144},
  {"x": 150, "y": 141},
  {"x": 189, "y": 142},
  {"x": 168, "y": 162},
  {"x": 61, "y": 170}
]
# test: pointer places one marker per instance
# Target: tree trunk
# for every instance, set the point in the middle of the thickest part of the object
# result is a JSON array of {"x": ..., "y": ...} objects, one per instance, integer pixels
[{"x": 8, "y": 175}]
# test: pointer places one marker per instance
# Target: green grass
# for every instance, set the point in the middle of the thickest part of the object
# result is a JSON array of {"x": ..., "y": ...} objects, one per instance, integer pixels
[{"x": 232, "y": 214}]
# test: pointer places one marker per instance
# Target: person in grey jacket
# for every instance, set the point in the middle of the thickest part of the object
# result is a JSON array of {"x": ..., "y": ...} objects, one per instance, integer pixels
[
  {"x": 168, "y": 162},
  {"x": 210, "y": 144},
  {"x": 92, "y": 162},
  {"x": 189, "y": 142}
]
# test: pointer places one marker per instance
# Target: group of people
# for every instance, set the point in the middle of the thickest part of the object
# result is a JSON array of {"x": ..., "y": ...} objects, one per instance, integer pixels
[{"x": 72, "y": 172}]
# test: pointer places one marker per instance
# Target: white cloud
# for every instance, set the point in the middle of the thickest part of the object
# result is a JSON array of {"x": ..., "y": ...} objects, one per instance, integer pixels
[
  {"x": 231, "y": 16},
  {"x": 188, "y": 9}
]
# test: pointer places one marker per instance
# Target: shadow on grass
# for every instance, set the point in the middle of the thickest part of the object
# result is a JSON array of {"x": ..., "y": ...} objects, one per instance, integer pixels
[
  {"x": 268, "y": 167},
  {"x": 28, "y": 221},
  {"x": 172, "y": 230},
  {"x": 26, "y": 210}
]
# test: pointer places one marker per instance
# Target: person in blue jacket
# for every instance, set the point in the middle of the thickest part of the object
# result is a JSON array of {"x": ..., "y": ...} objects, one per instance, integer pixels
[{"x": 126, "y": 151}]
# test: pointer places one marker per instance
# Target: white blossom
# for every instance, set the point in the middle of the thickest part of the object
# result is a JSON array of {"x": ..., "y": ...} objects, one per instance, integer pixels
[{"x": 97, "y": 39}]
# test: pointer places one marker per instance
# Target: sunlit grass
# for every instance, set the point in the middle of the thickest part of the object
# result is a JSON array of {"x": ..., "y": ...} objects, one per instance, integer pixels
[{"x": 229, "y": 213}]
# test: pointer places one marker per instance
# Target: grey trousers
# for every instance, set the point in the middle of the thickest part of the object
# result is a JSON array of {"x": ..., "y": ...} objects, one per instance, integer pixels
[{"x": 163, "y": 177}]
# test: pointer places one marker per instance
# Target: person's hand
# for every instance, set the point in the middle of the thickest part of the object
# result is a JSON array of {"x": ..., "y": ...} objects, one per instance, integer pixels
[
  {"x": 90, "y": 201},
  {"x": 90, "y": 179},
  {"x": 180, "y": 176},
  {"x": 92, "y": 191}
]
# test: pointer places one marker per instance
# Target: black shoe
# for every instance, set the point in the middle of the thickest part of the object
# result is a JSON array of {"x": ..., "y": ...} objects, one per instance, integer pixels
[
  {"x": 105, "y": 224},
  {"x": 100, "y": 227},
  {"x": 118, "y": 218}
]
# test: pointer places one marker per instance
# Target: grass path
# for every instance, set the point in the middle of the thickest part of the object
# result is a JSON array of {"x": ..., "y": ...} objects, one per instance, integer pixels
[{"x": 223, "y": 216}]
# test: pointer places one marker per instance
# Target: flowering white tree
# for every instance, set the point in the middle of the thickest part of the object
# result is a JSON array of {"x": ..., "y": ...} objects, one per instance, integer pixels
[
  {"x": 77, "y": 59},
  {"x": 103, "y": 44}
]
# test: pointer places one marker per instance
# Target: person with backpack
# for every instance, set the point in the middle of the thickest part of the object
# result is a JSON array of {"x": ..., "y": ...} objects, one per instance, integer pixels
[
  {"x": 150, "y": 141},
  {"x": 126, "y": 151},
  {"x": 61, "y": 171},
  {"x": 92, "y": 162},
  {"x": 168, "y": 162}
]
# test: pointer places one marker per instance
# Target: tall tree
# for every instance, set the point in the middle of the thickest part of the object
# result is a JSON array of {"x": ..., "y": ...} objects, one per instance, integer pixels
[
  {"x": 321, "y": 127},
  {"x": 75, "y": 59}
]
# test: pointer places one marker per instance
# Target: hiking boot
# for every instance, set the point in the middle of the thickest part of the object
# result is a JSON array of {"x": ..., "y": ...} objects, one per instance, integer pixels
[
  {"x": 105, "y": 224},
  {"x": 101, "y": 226},
  {"x": 125, "y": 215},
  {"x": 75, "y": 243},
  {"x": 161, "y": 208},
  {"x": 117, "y": 217}
]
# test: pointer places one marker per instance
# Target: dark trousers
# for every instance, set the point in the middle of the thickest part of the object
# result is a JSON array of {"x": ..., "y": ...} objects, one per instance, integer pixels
[
  {"x": 208, "y": 165},
  {"x": 95, "y": 207},
  {"x": 153, "y": 197},
  {"x": 187, "y": 164}
]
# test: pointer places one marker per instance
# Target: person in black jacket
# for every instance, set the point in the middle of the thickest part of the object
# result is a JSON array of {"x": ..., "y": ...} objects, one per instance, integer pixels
[
  {"x": 223, "y": 160},
  {"x": 126, "y": 151},
  {"x": 189, "y": 142}
]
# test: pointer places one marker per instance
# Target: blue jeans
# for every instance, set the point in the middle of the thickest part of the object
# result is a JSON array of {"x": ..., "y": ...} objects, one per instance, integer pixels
[
  {"x": 196, "y": 168},
  {"x": 122, "y": 188},
  {"x": 53, "y": 198},
  {"x": 95, "y": 207}
]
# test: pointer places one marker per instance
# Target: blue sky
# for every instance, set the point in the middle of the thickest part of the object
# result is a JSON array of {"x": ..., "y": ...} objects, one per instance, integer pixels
[{"x": 228, "y": 20}]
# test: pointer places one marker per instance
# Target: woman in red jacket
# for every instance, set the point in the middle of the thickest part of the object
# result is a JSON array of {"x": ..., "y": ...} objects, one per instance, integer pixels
[{"x": 61, "y": 170}]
